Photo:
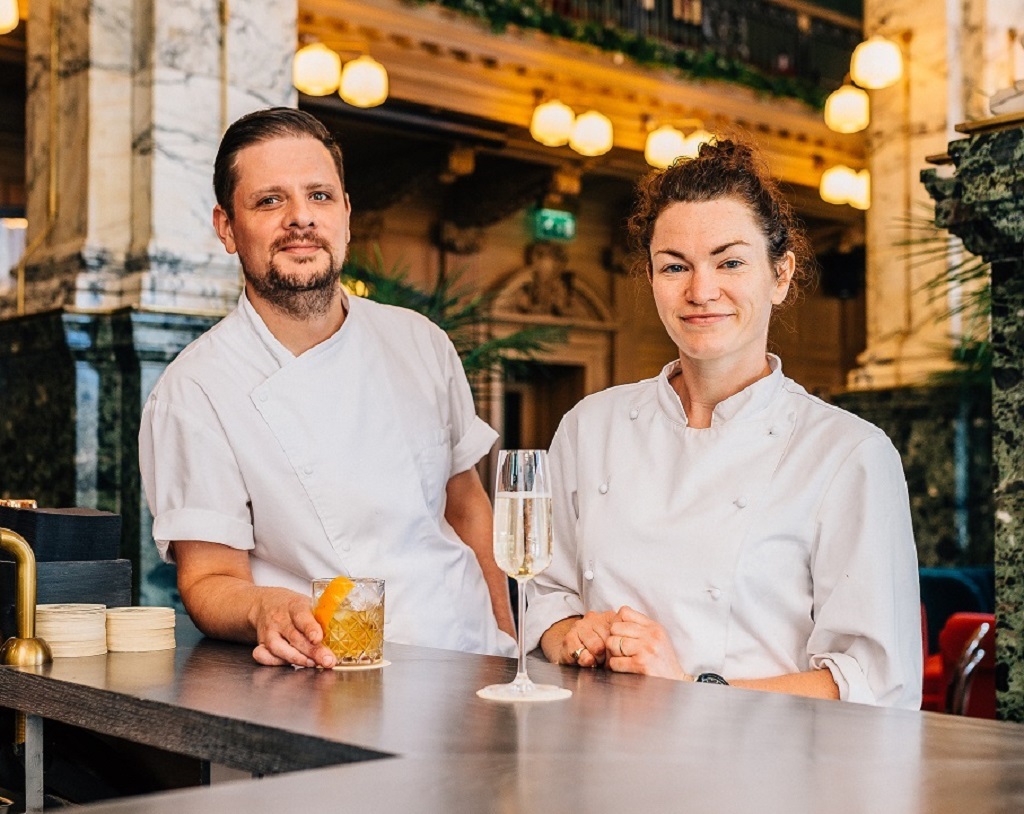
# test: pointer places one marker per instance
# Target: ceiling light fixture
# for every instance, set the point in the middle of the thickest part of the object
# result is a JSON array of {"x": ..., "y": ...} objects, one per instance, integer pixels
[
  {"x": 876, "y": 63},
  {"x": 847, "y": 110},
  {"x": 693, "y": 141},
  {"x": 841, "y": 185},
  {"x": 664, "y": 145},
  {"x": 9, "y": 17},
  {"x": 860, "y": 195},
  {"x": 364, "y": 82},
  {"x": 316, "y": 70},
  {"x": 592, "y": 134},
  {"x": 552, "y": 123}
]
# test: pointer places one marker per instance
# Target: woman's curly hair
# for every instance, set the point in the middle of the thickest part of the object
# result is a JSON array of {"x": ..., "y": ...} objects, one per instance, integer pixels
[{"x": 722, "y": 169}]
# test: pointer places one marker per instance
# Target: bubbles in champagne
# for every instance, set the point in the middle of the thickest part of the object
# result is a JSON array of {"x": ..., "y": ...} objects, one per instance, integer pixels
[{"x": 522, "y": 533}]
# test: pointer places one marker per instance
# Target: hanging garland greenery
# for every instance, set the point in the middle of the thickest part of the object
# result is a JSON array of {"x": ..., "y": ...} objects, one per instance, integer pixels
[{"x": 692, "y": 63}]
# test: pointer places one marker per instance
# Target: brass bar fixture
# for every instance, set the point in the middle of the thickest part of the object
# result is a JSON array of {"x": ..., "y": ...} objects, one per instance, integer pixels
[{"x": 23, "y": 649}]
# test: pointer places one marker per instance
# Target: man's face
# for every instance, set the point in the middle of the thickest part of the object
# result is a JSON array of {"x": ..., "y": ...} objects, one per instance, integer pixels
[{"x": 290, "y": 224}]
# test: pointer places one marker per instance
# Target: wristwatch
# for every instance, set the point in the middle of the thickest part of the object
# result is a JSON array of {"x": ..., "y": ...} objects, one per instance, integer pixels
[{"x": 711, "y": 678}]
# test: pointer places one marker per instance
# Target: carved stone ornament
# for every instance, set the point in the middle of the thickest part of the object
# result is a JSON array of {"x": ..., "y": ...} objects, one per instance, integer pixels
[
  {"x": 550, "y": 287},
  {"x": 460, "y": 240}
]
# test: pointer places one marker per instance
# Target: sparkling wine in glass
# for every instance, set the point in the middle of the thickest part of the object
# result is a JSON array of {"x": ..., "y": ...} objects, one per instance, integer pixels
[{"x": 522, "y": 549}]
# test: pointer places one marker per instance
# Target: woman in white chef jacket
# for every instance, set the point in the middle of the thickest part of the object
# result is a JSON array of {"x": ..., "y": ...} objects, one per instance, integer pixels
[{"x": 717, "y": 523}]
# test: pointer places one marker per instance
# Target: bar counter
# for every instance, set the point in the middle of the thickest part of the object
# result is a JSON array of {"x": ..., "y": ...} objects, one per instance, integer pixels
[{"x": 414, "y": 737}]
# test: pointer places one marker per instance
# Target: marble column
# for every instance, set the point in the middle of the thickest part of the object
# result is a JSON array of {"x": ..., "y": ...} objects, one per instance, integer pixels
[
  {"x": 955, "y": 53},
  {"x": 983, "y": 204},
  {"x": 127, "y": 102}
]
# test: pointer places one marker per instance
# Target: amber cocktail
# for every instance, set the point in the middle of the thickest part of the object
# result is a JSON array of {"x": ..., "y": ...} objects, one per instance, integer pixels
[{"x": 351, "y": 613}]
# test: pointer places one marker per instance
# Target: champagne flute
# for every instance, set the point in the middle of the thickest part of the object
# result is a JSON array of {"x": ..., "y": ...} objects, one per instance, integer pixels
[{"x": 522, "y": 549}]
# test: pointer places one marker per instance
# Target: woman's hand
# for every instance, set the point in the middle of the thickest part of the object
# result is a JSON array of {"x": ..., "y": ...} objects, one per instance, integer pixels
[
  {"x": 578, "y": 640},
  {"x": 637, "y": 644}
]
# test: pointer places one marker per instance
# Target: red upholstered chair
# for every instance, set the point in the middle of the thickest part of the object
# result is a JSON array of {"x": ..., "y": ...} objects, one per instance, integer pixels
[
  {"x": 968, "y": 652},
  {"x": 935, "y": 686}
]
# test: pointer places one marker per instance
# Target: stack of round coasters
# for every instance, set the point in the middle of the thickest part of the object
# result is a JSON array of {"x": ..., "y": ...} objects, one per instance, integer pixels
[
  {"x": 73, "y": 629},
  {"x": 134, "y": 630}
]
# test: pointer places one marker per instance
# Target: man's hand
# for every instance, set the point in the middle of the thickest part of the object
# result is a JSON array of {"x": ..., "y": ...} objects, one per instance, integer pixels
[
  {"x": 216, "y": 586},
  {"x": 286, "y": 630}
]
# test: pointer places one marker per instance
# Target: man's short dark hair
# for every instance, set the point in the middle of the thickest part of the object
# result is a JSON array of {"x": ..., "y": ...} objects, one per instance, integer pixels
[{"x": 259, "y": 126}]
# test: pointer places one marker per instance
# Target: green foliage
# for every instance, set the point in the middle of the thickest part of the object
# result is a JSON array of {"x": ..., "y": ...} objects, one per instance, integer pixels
[
  {"x": 461, "y": 312},
  {"x": 692, "y": 63},
  {"x": 963, "y": 282}
]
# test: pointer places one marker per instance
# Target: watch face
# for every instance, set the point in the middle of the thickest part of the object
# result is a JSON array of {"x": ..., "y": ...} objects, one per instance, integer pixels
[{"x": 711, "y": 678}]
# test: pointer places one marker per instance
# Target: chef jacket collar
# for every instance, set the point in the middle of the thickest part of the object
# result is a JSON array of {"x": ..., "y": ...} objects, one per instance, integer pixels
[
  {"x": 278, "y": 351},
  {"x": 748, "y": 403}
]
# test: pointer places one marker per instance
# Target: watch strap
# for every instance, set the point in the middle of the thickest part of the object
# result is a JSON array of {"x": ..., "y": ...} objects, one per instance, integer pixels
[{"x": 711, "y": 678}]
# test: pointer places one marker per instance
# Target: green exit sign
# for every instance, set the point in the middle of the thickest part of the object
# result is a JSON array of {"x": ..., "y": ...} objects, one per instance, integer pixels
[{"x": 553, "y": 224}]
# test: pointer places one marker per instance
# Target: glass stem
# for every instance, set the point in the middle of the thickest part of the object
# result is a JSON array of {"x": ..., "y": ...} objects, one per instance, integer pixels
[{"x": 521, "y": 676}]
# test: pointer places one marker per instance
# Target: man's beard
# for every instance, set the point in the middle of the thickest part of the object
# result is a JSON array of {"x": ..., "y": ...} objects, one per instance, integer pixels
[{"x": 298, "y": 298}]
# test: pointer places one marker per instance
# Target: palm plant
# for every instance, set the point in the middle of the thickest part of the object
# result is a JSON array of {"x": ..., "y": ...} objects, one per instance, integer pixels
[
  {"x": 963, "y": 281},
  {"x": 456, "y": 308}
]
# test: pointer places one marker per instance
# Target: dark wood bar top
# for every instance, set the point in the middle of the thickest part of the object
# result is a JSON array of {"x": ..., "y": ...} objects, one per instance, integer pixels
[{"x": 416, "y": 738}]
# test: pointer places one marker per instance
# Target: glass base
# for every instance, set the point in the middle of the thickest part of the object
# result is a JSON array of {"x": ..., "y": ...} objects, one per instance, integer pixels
[{"x": 516, "y": 692}]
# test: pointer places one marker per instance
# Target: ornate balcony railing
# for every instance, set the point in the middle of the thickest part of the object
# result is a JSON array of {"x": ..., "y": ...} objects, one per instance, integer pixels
[{"x": 782, "y": 47}]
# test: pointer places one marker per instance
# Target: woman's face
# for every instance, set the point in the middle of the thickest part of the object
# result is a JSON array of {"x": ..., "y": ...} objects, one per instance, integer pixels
[{"x": 713, "y": 284}]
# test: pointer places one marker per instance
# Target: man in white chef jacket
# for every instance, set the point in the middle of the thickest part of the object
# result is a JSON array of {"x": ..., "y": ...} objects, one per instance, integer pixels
[{"x": 311, "y": 433}]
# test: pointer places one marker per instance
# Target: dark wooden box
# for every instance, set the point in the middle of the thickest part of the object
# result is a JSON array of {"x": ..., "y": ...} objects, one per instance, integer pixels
[
  {"x": 65, "y": 534},
  {"x": 106, "y": 582}
]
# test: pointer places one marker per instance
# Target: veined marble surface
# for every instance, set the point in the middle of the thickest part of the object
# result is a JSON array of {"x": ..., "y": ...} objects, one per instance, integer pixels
[
  {"x": 121, "y": 177},
  {"x": 982, "y": 205}
]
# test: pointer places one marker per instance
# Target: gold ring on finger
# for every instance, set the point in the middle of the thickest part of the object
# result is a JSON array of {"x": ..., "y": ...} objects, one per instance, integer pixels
[
  {"x": 578, "y": 652},
  {"x": 622, "y": 649}
]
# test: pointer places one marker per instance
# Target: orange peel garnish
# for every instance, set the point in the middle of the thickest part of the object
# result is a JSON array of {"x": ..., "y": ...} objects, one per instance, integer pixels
[{"x": 334, "y": 594}]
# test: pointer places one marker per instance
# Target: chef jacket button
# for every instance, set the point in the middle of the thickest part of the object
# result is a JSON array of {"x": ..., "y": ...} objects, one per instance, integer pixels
[
  {"x": 308, "y": 470},
  {"x": 715, "y": 593},
  {"x": 263, "y": 397},
  {"x": 772, "y": 431},
  {"x": 741, "y": 503},
  {"x": 588, "y": 575},
  {"x": 603, "y": 488},
  {"x": 634, "y": 413},
  {"x": 346, "y": 547}
]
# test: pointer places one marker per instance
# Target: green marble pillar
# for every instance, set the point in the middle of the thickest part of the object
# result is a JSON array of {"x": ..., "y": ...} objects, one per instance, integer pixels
[
  {"x": 943, "y": 434},
  {"x": 983, "y": 204},
  {"x": 72, "y": 386}
]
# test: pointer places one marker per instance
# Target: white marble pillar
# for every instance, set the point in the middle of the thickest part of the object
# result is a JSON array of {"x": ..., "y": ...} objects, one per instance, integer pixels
[
  {"x": 127, "y": 102},
  {"x": 956, "y": 53}
]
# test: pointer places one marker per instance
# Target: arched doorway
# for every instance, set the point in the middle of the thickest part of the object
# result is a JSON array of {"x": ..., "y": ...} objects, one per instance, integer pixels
[{"x": 527, "y": 402}]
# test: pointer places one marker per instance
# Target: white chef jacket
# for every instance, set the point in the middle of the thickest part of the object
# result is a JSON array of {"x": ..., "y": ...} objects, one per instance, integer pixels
[
  {"x": 776, "y": 541},
  {"x": 332, "y": 462}
]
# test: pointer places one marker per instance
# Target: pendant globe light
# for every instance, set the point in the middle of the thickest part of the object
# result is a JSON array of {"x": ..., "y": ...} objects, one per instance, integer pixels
[
  {"x": 8, "y": 16},
  {"x": 876, "y": 63},
  {"x": 316, "y": 70},
  {"x": 551, "y": 123},
  {"x": 860, "y": 194},
  {"x": 693, "y": 141},
  {"x": 364, "y": 82},
  {"x": 592, "y": 134},
  {"x": 664, "y": 145},
  {"x": 838, "y": 185},
  {"x": 847, "y": 110}
]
